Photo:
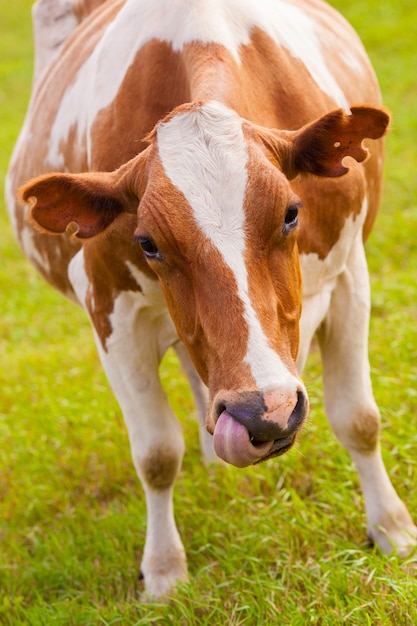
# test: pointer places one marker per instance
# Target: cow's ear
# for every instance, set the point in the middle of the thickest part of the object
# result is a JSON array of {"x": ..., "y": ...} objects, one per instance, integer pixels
[
  {"x": 320, "y": 147},
  {"x": 85, "y": 204},
  {"x": 57, "y": 201}
]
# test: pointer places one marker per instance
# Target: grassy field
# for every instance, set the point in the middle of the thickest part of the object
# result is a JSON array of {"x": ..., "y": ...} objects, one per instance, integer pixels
[{"x": 284, "y": 543}]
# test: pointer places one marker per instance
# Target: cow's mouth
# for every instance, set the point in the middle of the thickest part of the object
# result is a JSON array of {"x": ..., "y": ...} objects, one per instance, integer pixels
[
  {"x": 279, "y": 447},
  {"x": 233, "y": 443}
]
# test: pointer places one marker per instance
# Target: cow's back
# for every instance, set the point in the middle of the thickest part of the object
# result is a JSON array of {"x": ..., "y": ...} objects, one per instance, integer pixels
[{"x": 130, "y": 63}]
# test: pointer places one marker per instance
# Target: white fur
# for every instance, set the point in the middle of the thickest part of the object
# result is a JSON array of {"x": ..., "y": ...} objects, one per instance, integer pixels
[
  {"x": 320, "y": 279},
  {"x": 9, "y": 192},
  {"x": 53, "y": 22},
  {"x": 31, "y": 251},
  {"x": 337, "y": 295},
  {"x": 141, "y": 335},
  {"x": 321, "y": 274},
  {"x": 348, "y": 398},
  {"x": 214, "y": 184}
]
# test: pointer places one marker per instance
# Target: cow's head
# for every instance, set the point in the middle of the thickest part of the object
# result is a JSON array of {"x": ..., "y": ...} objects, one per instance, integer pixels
[{"x": 217, "y": 223}]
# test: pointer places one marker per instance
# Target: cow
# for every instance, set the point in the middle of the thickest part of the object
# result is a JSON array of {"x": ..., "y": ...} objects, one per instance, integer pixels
[{"x": 194, "y": 174}]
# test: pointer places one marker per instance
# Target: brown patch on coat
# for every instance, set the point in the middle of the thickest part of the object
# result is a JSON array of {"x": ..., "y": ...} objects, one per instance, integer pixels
[
  {"x": 155, "y": 83},
  {"x": 278, "y": 80},
  {"x": 105, "y": 258},
  {"x": 328, "y": 202},
  {"x": 364, "y": 431},
  {"x": 83, "y": 8},
  {"x": 160, "y": 467}
]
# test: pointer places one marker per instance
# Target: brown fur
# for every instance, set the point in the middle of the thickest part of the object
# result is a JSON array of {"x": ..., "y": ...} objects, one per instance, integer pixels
[
  {"x": 160, "y": 467},
  {"x": 365, "y": 431}
]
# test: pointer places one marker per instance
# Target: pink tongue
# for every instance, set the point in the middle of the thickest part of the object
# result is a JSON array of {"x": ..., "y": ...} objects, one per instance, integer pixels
[{"x": 232, "y": 443}]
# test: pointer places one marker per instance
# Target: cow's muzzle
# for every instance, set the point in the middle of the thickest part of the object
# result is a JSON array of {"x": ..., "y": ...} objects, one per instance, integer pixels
[{"x": 253, "y": 426}]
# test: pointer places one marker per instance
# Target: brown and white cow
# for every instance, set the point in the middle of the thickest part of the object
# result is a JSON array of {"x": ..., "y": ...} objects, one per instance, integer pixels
[{"x": 209, "y": 187}]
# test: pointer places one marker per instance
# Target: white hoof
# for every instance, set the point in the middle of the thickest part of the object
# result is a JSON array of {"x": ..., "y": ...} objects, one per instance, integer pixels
[
  {"x": 395, "y": 533},
  {"x": 162, "y": 577}
]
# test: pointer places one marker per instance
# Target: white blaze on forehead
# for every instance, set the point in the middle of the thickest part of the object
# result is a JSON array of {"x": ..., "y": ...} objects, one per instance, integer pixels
[
  {"x": 204, "y": 154},
  {"x": 227, "y": 22}
]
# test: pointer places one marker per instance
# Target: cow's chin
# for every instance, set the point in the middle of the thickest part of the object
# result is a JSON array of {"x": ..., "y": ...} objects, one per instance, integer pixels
[{"x": 233, "y": 444}]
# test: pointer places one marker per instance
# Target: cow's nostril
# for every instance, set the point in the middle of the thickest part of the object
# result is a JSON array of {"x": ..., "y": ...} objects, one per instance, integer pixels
[
  {"x": 219, "y": 409},
  {"x": 247, "y": 407},
  {"x": 298, "y": 414}
]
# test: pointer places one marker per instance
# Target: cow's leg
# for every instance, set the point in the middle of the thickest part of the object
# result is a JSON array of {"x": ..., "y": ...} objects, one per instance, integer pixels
[
  {"x": 131, "y": 363},
  {"x": 351, "y": 408},
  {"x": 131, "y": 354},
  {"x": 200, "y": 394}
]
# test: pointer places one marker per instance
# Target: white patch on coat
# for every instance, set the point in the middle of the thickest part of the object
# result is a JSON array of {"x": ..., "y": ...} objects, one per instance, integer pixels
[
  {"x": 10, "y": 196},
  {"x": 212, "y": 175},
  {"x": 321, "y": 274},
  {"x": 320, "y": 277},
  {"x": 31, "y": 251},
  {"x": 53, "y": 22},
  {"x": 178, "y": 22},
  {"x": 353, "y": 61},
  {"x": 128, "y": 303},
  {"x": 11, "y": 186},
  {"x": 78, "y": 277}
]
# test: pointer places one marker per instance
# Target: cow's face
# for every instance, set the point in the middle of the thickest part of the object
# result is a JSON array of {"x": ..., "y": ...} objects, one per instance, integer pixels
[{"x": 217, "y": 223}]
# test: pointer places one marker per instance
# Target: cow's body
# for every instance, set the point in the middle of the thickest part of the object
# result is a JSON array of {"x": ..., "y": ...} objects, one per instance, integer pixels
[{"x": 216, "y": 222}]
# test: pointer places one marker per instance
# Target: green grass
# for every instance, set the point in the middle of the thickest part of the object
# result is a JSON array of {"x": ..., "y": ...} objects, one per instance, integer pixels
[{"x": 283, "y": 543}]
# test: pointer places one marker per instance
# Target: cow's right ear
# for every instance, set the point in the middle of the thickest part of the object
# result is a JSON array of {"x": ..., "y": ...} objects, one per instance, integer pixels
[
  {"x": 89, "y": 202},
  {"x": 58, "y": 200}
]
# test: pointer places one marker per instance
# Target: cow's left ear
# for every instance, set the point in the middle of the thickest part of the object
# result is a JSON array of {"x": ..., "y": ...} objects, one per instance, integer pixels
[{"x": 320, "y": 147}]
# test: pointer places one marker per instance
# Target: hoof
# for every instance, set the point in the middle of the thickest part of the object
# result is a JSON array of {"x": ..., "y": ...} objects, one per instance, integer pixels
[
  {"x": 162, "y": 578},
  {"x": 397, "y": 534}
]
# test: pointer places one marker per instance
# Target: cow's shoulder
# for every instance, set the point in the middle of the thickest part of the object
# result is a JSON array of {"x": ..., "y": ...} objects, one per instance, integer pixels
[{"x": 111, "y": 269}]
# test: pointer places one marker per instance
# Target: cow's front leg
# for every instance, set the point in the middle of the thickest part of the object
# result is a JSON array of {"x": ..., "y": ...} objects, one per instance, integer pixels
[
  {"x": 131, "y": 362},
  {"x": 132, "y": 334},
  {"x": 351, "y": 408}
]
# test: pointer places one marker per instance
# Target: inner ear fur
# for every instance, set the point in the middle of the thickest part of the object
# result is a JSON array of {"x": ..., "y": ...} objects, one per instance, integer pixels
[
  {"x": 58, "y": 200},
  {"x": 90, "y": 200},
  {"x": 320, "y": 147}
]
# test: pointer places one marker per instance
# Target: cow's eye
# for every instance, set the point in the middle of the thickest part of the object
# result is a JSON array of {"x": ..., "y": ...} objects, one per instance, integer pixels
[
  {"x": 291, "y": 218},
  {"x": 148, "y": 246}
]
